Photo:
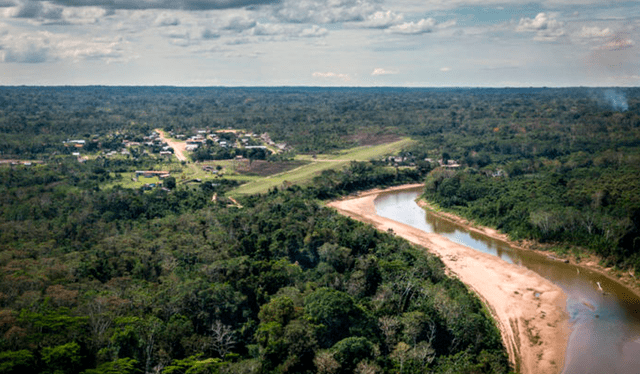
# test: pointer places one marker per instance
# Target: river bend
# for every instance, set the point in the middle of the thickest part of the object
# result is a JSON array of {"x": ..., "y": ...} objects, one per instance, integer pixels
[{"x": 605, "y": 315}]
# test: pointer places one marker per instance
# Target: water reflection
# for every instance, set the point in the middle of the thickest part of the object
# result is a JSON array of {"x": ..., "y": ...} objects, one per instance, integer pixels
[{"x": 606, "y": 323}]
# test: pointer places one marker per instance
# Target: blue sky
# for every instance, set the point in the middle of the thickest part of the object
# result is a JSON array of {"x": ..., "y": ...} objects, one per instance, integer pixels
[{"x": 320, "y": 43}]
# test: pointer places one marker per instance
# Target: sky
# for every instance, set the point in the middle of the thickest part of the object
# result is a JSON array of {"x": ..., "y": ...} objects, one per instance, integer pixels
[{"x": 406, "y": 43}]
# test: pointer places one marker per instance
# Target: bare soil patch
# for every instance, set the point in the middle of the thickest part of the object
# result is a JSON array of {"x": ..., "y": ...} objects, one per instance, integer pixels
[
  {"x": 179, "y": 148},
  {"x": 263, "y": 168}
]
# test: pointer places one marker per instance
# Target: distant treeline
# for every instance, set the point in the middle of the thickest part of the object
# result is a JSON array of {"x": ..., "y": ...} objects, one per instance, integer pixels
[{"x": 35, "y": 120}]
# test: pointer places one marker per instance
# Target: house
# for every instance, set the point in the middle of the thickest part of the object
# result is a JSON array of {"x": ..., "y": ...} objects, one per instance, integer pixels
[{"x": 151, "y": 173}]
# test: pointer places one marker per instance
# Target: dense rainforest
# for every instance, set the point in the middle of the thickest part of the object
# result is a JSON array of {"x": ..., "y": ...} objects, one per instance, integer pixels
[
  {"x": 97, "y": 278},
  {"x": 557, "y": 165},
  {"x": 125, "y": 281}
]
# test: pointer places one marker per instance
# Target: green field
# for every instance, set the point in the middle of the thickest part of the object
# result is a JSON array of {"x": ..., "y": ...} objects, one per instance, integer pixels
[
  {"x": 304, "y": 174},
  {"x": 257, "y": 184}
]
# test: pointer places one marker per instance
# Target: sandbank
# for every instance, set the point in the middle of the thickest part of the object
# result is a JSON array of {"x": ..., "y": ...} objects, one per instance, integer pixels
[{"x": 529, "y": 310}]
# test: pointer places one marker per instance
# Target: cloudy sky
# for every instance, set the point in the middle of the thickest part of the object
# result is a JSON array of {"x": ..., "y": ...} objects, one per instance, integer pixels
[{"x": 427, "y": 43}]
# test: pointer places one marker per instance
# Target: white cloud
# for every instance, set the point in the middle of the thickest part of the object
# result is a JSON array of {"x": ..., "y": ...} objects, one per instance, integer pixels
[
  {"x": 103, "y": 49},
  {"x": 42, "y": 47},
  {"x": 192, "y": 5},
  {"x": 271, "y": 29},
  {"x": 381, "y": 20},
  {"x": 83, "y": 16},
  {"x": 381, "y": 71},
  {"x": 421, "y": 27},
  {"x": 314, "y": 31},
  {"x": 447, "y": 24},
  {"x": 324, "y": 11},
  {"x": 618, "y": 43},
  {"x": 594, "y": 33},
  {"x": 546, "y": 28},
  {"x": 239, "y": 23},
  {"x": 330, "y": 75},
  {"x": 541, "y": 22},
  {"x": 262, "y": 29}
]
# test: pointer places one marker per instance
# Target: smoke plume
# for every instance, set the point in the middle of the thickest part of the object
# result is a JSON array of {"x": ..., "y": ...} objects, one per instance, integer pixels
[{"x": 616, "y": 99}]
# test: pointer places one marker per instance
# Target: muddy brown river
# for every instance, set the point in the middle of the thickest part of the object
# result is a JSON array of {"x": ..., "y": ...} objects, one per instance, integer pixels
[{"x": 605, "y": 315}]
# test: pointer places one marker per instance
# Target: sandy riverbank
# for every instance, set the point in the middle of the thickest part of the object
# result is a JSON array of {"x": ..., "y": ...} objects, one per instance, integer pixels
[
  {"x": 530, "y": 310},
  {"x": 586, "y": 261}
]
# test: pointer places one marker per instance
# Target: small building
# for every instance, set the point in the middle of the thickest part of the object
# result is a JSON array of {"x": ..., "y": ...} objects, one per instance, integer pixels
[{"x": 151, "y": 173}]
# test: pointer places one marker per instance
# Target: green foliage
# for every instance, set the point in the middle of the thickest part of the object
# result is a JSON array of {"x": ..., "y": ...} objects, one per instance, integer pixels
[
  {"x": 120, "y": 366},
  {"x": 569, "y": 201},
  {"x": 62, "y": 359},
  {"x": 337, "y": 315},
  {"x": 194, "y": 365},
  {"x": 272, "y": 284},
  {"x": 350, "y": 351},
  {"x": 103, "y": 278},
  {"x": 14, "y": 362}
]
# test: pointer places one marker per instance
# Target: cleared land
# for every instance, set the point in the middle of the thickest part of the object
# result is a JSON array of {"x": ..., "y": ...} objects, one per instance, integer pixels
[
  {"x": 305, "y": 173},
  {"x": 529, "y": 309},
  {"x": 259, "y": 176},
  {"x": 179, "y": 148}
]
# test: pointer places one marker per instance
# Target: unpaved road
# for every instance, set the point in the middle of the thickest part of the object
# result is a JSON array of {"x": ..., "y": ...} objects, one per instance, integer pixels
[
  {"x": 529, "y": 309},
  {"x": 178, "y": 147}
]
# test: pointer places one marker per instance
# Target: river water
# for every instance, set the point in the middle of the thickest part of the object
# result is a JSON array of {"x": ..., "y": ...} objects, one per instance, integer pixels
[{"x": 605, "y": 335}]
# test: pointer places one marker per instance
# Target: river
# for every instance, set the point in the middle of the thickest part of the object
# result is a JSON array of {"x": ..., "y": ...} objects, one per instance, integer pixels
[{"x": 605, "y": 335}]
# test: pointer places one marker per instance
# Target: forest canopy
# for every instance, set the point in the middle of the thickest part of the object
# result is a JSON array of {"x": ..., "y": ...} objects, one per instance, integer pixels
[{"x": 175, "y": 278}]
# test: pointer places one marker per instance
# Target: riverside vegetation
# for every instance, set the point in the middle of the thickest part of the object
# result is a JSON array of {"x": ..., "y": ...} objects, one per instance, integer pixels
[{"x": 98, "y": 278}]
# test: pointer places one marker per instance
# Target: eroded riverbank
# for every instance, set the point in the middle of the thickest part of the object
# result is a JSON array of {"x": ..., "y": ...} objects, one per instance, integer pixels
[{"x": 529, "y": 309}]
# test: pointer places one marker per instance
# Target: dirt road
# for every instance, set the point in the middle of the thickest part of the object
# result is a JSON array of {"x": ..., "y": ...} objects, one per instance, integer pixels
[
  {"x": 529, "y": 310},
  {"x": 178, "y": 147}
]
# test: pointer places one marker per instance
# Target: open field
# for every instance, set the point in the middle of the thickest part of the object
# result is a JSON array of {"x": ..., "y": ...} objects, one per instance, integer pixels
[
  {"x": 305, "y": 173},
  {"x": 128, "y": 181},
  {"x": 261, "y": 168},
  {"x": 262, "y": 175}
]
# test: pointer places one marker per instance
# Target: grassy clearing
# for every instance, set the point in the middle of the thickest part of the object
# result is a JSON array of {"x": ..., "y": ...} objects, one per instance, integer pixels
[
  {"x": 301, "y": 171},
  {"x": 128, "y": 181},
  {"x": 305, "y": 173}
]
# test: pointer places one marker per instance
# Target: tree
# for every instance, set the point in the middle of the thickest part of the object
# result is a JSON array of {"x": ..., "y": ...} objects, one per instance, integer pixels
[
  {"x": 120, "y": 366},
  {"x": 335, "y": 312},
  {"x": 169, "y": 182},
  {"x": 223, "y": 340},
  {"x": 14, "y": 362},
  {"x": 351, "y": 351},
  {"x": 62, "y": 359},
  {"x": 194, "y": 365}
]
